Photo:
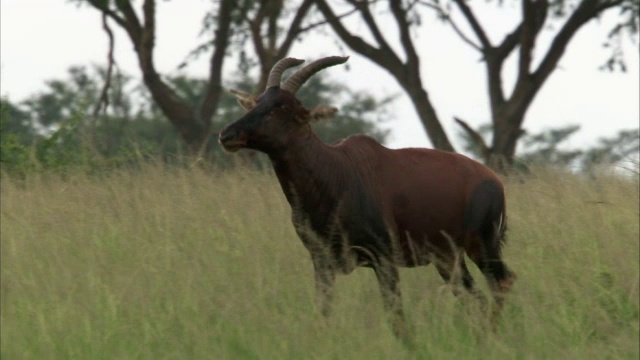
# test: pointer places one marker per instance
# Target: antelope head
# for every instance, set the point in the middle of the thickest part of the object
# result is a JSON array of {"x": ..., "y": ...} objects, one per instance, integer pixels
[{"x": 274, "y": 117}]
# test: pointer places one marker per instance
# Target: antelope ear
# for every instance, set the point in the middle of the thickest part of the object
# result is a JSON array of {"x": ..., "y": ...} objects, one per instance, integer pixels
[
  {"x": 247, "y": 101},
  {"x": 322, "y": 112}
]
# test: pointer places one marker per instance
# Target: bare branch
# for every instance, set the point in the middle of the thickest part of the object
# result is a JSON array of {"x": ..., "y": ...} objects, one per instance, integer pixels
[
  {"x": 513, "y": 38},
  {"x": 444, "y": 15},
  {"x": 604, "y": 5},
  {"x": 586, "y": 10},
  {"x": 268, "y": 50},
  {"x": 132, "y": 23},
  {"x": 462, "y": 35},
  {"x": 103, "y": 7},
  {"x": 320, "y": 23},
  {"x": 527, "y": 39},
  {"x": 294, "y": 28},
  {"x": 475, "y": 25},
  {"x": 363, "y": 7},
  {"x": 147, "y": 39},
  {"x": 386, "y": 59},
  {"x": 475, "y": 137},
  {"x": 275, "y": 9},
  {"x": 407, "y": 74},
  {"x": 255, "y": 25},
  {"x": 509, "y": 43},
  {"x": 405, "y": 38},
  {"x": 534, "y": 14},
  {"x": 221, "y": 41},
  {"x": 103, "y": 100}
]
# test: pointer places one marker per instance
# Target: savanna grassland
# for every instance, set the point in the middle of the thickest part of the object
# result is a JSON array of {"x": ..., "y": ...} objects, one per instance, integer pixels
[{"x": 164, "y": 263}]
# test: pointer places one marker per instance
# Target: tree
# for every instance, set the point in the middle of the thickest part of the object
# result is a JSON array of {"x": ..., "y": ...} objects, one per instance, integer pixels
[
  {"x": 406, "y": 73},
  {"x": 193, "y": 123},
  {"x": 507, "y": 110},
  {"x": 272, "y": 26},
  {"x": 15, "y": 122},
  {"x": 548, "y": 148},
  {"x": 624, "y": 146},
  {"x": 74, "y": 99},
  {"x": 545, "y": 148}
]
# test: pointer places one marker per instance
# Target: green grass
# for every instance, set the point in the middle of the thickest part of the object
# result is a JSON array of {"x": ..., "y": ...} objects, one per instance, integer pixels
[{"x": 168, "y": 263}]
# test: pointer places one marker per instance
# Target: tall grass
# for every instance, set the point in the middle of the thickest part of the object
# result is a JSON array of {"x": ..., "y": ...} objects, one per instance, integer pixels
[{"x": 171, "y": 263}]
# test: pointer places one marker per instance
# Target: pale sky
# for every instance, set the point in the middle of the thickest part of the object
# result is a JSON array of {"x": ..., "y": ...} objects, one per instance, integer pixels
[{"x": 40, "y": 39}]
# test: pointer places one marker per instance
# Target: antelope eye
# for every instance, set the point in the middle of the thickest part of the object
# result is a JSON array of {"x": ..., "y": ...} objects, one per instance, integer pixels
[{"x": 284, "y": 107}]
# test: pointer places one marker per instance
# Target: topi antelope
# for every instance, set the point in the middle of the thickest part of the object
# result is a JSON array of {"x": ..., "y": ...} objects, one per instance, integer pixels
[{"x": 357, "y": 203}]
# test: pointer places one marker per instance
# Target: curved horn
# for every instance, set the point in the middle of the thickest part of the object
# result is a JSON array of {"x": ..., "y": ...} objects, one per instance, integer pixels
[
  {"x": 276, "y": 71},
  {"x": 296, "y": 80}
]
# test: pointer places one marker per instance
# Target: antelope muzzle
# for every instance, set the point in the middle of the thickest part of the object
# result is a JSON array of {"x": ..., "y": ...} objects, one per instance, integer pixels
[{"x": 231, "y": 139}]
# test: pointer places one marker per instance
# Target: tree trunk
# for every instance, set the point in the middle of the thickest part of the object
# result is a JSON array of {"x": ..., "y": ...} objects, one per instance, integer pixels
[
  {"x": 426, "y": 113},
  {"x": 503, "y": 147},
  {"x": 193, "y": 125}
]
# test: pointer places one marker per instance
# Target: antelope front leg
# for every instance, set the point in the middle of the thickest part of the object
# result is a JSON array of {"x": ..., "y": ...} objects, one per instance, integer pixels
[
  {"x": 389, "y": 281},
  {"x": 324, "y": 279}
]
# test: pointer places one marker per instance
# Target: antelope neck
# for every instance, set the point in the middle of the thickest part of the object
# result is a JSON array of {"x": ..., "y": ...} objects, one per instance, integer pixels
[{"x": 313, "y": 170}]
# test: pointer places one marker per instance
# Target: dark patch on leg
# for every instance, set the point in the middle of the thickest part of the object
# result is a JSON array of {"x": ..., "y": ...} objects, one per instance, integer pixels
[
  {"x": 389, "y": 282},
  {"x": 324, "y": 282}
]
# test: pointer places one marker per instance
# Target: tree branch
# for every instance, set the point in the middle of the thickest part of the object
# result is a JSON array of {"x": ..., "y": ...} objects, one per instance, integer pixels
[
  {"x": 104, "y": 8},
  {"x": 255, "y": 25},
  {"x": 407, "y": 74},
  {"x": 477, "y": 139},
  {"x": 527, "y": 40},
  {"x": 475, "y": 25},
  {"x": 525, "y": 33},
  {"x": 275, "y": 10},
  {"x": 320, "y": 23},
  {"x": 102, "y": 103},
  {"x": 132, "y": 23},
  {"x": 363, "y": 8},
  {"x": 405, "y": 38},
  {"x": 534, "y": 14},
  {"x": 447, "y": 17},
  {"x": 147, "y": 38},
  {"x": 382, "y": 58},
  {"x": 103, "y": 100},
  {"x": 462, "y": 35},
  {"x": 294, "y": 28},
  {"x": 509, "y": 43},
  {"x": 209, "y": 102},
  {"x": 586, "y": 10}
]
